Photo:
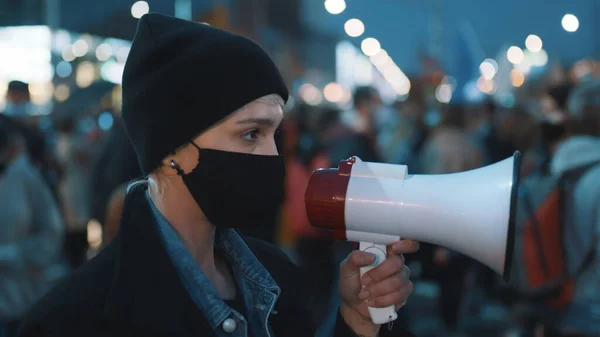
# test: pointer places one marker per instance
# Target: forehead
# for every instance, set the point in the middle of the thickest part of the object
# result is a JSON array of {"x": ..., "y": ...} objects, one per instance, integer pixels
[{"x": 259, "y": 110}]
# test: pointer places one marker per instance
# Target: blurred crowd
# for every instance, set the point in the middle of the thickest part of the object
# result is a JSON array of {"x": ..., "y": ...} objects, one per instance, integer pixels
[{"x": 63, "y": 180}]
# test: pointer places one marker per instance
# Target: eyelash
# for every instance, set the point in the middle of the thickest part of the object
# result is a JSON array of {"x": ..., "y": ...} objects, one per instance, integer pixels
[{"x": 252, "y": 133}]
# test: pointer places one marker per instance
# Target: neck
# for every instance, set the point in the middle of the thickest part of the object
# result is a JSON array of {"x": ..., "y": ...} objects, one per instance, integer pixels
[{"x": 196, "y": 232}]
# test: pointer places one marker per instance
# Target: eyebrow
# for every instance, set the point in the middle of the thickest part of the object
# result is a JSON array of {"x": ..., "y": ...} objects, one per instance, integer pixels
[{"x": 269, "y": 122}]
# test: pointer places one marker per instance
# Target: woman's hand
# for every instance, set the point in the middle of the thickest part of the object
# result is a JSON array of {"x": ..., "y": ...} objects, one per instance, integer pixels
[{"x": 387, "y": 284}]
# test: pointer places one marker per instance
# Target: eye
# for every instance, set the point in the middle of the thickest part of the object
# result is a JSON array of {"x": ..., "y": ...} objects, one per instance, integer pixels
[{"x": 251, "y": 135}]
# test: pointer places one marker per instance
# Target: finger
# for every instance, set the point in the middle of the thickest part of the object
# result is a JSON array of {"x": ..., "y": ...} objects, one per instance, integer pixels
[
  {"x": 404, "y": 246},
  {"x": 355, "y": 261},
  {"x": 391, "y": 266},
  {"x": 397, "y": 298},
  {"x": 391, "y": 284}
]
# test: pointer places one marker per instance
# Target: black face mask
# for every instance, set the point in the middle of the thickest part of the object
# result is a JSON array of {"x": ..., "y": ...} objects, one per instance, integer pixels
[{"x": 236, "y": 189}]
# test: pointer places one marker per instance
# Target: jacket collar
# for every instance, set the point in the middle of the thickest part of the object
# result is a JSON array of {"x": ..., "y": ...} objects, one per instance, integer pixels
[
  {"x": 146, "y": 292},
  {"x": 256, "y": 285}
]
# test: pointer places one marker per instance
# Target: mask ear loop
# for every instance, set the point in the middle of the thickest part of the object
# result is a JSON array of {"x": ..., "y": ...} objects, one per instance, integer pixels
[{"x": 197, "y": 148}]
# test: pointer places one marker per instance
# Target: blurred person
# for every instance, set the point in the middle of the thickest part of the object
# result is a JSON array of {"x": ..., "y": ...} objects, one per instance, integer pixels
[
  {"x": 449, "y": 149},
  {"x": 366, "y": 102},
  {"x": 31, "y": 233},
  {"x": 73, "y": 154},
  {"x": 512, "y": 129},
  {"x": 409, "y": 132},
  {"x": 488, "y": 125},
  {"x": 18, "y": 114},
  {"x": 114, "y": 210},
  {"x": 114, "y": 165},
  {"x": 342, "y": 141},
  {"x": 176, "y": 267},
  {"x": 580, "y": 149},
  {"x": 364, "y": 117},
  {"x": 551, "y": 116}
]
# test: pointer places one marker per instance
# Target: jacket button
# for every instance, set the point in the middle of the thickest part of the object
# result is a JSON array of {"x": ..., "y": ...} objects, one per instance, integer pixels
[{"x": 229, "y": 325}]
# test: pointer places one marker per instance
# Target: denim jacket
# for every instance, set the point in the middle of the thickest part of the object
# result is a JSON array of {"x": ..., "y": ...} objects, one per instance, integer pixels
[{"x": 255, "y": 284}]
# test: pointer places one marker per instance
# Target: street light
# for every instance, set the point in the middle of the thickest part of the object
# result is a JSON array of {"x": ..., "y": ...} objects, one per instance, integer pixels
[{"x": 139, "y": 8}]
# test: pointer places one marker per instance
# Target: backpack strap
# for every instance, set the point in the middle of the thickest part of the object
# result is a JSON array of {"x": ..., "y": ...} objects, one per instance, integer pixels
[
  {"x": 567, "y": 183},
  {"x": 536, "y": 228}
]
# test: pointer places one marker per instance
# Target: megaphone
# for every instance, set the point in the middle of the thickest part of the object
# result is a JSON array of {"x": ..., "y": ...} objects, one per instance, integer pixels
[{"x": 375, "y": 204}]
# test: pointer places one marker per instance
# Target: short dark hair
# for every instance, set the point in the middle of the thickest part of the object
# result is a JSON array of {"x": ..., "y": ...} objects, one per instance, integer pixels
[
  {"x": 18, "y": 87},
  {"x": 363, "y": 94},
  {"x": 453, "y": 115},
  {"x": 560, "y": 93},
  {"x": 584, "y": 109},
  {"x": 328, "y": 116}
]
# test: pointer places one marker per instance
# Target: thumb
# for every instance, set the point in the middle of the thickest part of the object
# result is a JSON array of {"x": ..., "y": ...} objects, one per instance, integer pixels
[{"x": 355, "y": 261}]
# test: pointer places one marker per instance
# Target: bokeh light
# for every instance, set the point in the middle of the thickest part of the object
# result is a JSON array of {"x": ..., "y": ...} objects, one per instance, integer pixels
[
  {"x": 380, "y": 59},
  {"x": 80, "y": 48},
  {"x": 333, "y": 92},
  {"x": 103, "y": 52},
  {"x": 534, "y": 43},
  {"x": 62, "y": 92},
  {"x": 85, "y": 74},
  {"x": 570, "y": 23},
  {"x": 122, "y": 54},
  {"x": 370, "y": 46},
  {"x": 517, "y": 78},
  {"x": 64, "y": 69},
  {"x": 41, "y": 93},
  {"x": 310, "y": 94},
  {"x": 486, "y": 86},
  {"x": 139, "y": 8},
  {"x": 443, "y": 93},
  {"x": 515, "y": 55},
  {"x": 67, "y": 54},
  {"x": 539, "y": 59},
  {"x": 354, "y": 27},
  {"x": 335, "y": 6},
  {"x": 488, "y": 68},
  {"x": 105, "y": 121}
]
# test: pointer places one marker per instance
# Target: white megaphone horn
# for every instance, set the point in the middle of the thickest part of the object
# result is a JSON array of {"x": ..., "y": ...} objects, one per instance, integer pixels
[{"x": 375, "y": 204}]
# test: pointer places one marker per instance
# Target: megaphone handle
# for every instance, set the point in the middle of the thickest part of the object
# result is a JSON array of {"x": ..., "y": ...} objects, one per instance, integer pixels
[{"x": 378, "y": 315}]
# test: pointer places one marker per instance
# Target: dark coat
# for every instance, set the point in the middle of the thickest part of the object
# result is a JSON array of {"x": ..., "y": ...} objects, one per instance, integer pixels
[{"x": 132, "y": 289}]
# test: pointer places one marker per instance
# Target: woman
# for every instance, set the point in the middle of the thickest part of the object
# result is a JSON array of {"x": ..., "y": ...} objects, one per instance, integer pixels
[
  {"x": 73, "y": 154},
  {"x": 201, "y": 107}
]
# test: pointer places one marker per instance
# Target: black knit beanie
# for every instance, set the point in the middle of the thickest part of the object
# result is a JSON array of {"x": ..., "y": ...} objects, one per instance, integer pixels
[{"x": 182, "y": 77}]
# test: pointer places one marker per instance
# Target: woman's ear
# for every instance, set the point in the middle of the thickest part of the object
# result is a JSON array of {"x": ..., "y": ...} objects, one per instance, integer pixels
[
  {"x": 171, "y": 164},
  {"x": 182, "y": 161}
]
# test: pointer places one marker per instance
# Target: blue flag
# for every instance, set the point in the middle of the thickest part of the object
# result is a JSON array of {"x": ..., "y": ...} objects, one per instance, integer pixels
[{"x": 468, "y": 56}]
